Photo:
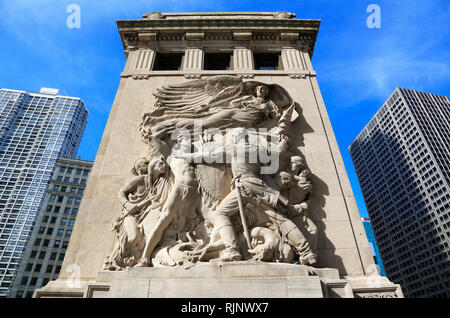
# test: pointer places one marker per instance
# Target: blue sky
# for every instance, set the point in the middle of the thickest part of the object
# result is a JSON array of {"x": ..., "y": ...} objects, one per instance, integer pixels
[{"x": 357, "y": 67}]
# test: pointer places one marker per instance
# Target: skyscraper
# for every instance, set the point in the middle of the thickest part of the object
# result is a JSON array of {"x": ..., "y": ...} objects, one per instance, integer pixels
[
  {"x": 402, "y": 159},
  {"x": 45, "y": 251},
  {"x": 35, "y": 129}
]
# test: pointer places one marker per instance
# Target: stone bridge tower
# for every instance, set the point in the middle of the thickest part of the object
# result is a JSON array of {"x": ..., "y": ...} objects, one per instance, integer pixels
[{"x": 172, "y": 48}]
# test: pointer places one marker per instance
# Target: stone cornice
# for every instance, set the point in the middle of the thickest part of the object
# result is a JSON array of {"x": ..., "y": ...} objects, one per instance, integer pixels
[
  {"x": 208, "y": 24},
  {"x": 261, "y": 29}
]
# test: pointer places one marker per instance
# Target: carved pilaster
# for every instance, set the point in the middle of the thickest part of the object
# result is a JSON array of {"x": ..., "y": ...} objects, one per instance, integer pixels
[
  {"x": 307, "y": 60},
  {"x": 292, "y": 60},
  {"x": 193, "y": 59},
  {"x": 242, "y": 59},
  {"x": 139, "y": 62}
]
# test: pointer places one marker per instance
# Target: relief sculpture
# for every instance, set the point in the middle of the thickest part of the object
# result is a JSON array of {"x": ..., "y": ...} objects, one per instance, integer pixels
[{"x": 220, "y": 180}]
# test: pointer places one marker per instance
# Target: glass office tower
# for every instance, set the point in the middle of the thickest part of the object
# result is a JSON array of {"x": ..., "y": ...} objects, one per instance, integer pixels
[
  {"x": 35, "y": 129},
  {"x": 402, "y": 159}
]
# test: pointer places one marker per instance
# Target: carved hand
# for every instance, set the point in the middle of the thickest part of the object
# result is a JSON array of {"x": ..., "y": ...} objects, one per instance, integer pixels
[
  {"x": 130, "y": 207},
  {"x": 307, "y": 187},
  {"x": 203, "y": 108},
  {"x": 161, "y": 131},
  {"x": 256, "y": 242},
  {"x": 298, "y": 209},
  {"x": 256, "y": 253}
]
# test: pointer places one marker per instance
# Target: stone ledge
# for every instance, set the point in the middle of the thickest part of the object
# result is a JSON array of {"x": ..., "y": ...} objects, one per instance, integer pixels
[
  {"x": 225, "y": 280},
  {"x": 219, "y": 270},
  {"x": 250, "y": 287}
]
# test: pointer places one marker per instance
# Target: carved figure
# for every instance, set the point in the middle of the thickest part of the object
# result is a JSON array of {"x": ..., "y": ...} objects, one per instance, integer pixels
[
  {"x": 144, "y": 193},
  {"x": 249, "y": 185}
]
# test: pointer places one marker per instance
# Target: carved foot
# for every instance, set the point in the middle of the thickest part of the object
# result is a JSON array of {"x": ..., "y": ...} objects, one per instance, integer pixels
[
  {"x": 230, "y": 255},
  {"x": 311, "y": 261},
  {"x": 143, "y": 262},
  {"x": 111, "y": 266}
]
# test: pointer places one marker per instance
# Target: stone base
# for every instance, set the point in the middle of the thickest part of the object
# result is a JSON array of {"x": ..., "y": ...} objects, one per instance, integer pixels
[{"x": 227, "y": 280}]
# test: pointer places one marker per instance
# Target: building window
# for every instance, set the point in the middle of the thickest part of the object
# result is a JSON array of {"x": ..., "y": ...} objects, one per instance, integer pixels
[
  {"x": 267, "y": 61},
  {"x": 167, "y": 61},
  {"x": 60, "y": 232},
  {"x": 217, "y": 61}
]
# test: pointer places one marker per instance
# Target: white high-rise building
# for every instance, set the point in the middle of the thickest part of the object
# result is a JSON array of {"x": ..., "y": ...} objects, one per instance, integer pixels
[{"x": 35, "y": 129}]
